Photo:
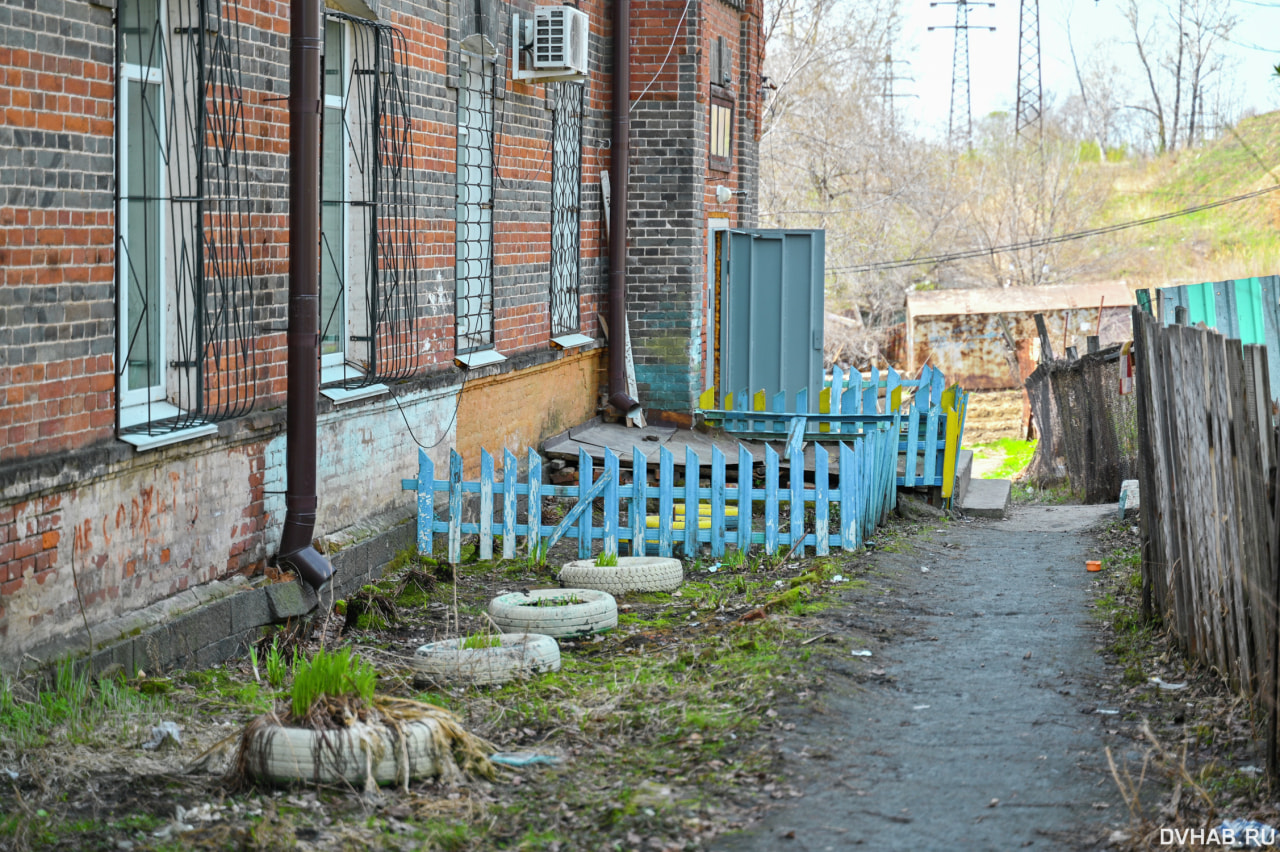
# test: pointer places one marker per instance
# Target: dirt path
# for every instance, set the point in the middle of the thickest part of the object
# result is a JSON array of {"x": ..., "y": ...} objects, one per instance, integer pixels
[{"x": 979, "y": 689}]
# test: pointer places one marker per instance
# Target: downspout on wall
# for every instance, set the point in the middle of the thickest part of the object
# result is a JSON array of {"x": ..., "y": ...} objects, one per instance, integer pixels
[
  {"x": 619, "y": 175},
  {"x": 306, "y": 47}
]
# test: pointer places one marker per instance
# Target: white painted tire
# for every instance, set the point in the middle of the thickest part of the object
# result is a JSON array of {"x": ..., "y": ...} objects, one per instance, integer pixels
[
  {"x": 631, "y": 574},
  {"x": 596, "y": 612},
  {"x": 280, "y": 754},
  {"x": 518, "y": 655}
]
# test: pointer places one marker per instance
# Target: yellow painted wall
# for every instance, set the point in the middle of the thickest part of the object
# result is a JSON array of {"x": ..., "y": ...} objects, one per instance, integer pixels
[{"x": 520, "y": 409}]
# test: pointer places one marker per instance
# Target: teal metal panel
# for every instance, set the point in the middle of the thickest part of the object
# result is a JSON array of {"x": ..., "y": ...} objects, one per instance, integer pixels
[
  {"x": 1248, "y": 296},
  {"x": 772, "y": 312},
  {"x": 1246, "y": 309}
]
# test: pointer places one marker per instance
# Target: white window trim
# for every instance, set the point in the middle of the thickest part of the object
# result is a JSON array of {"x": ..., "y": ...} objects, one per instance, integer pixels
[
  {"x": 338, "y": 359},
  {"x": 130, "y": 398}
]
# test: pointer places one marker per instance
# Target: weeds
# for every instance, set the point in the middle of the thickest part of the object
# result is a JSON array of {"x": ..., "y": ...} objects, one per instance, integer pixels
[
  {"x": 332, "y": 674},
  {"x": 607, "y": 560},
  {"x": 74, "y": 709}
]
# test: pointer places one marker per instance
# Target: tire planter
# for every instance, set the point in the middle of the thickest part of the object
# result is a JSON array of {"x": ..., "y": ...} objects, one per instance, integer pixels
[
  {"x": 631, "y": 574},
  {"x": 517, "y": 655},
  {"x": 357, "y": 754},
  {"x": 517, "y": 612}
]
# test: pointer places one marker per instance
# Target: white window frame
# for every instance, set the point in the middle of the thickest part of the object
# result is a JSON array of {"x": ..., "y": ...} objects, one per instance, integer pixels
[
  {"x": 133, "y": 402},
  {"x": 333, "y": 366}
]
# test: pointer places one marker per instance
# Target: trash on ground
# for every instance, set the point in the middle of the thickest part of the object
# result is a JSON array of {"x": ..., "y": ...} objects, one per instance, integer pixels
[
  {"x": 861, "y": 652},
  {"x": 838, "y": 578},
  {"x": 524, "y": 758},
  {"x": 1246, "y": 834},
  {"x": 164, "y": 734},
  {"x": 924, "y": 570},
  {"x": 1163, "y": 684},
  {"x": 1107, "y": 712}
]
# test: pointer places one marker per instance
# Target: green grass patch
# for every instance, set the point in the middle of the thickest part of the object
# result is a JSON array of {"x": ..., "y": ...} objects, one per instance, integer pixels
[
  {"x": 74, "y": 708},
  {"x": 332, "y": 674},
  {"x": 1014, "y": 456}
]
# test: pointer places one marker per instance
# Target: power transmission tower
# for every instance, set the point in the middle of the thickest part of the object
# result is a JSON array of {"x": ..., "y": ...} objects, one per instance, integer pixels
[
  {"x": 1030, "y": 91},
  {"x": 887, "y": 92},
  {"x": 960, "y": 122}
]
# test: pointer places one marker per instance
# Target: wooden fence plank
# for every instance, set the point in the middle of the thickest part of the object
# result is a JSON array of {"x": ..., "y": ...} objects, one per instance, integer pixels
[
  {"x": 612, "y": 471},
  {"x": 586, "y": 475},
  {"x": 426, "y": 502},
  {"x": 486, "y": 505},
  {"x": 746, "y": 468},
  {"x": 848, "y": 498},
  {"x": 717, "y": 502},
  {"x": 455, "y": 507},
  {"x": 510, "y": 473},
  {"x": 692, "y": 518},
  {"x": 666, "y": 505},
  {"x": 533, "y": 540},
  {"x": 821, "y": 500},
  {"x": 913, "y": 446},
  {"x": 638, "y": 509},
  {"x": 770, "y": 499}
]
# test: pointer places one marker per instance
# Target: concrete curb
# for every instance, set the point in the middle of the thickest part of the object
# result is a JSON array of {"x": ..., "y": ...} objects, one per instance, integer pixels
[{"x": 216, "y": 630}]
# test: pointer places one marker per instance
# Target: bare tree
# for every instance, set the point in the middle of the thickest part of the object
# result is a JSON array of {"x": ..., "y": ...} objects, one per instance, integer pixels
[{"x": 1180, "y": 52}]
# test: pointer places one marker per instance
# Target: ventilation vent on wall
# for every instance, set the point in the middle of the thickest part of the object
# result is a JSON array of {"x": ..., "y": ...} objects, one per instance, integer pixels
[{"x": 556, "y": 41}]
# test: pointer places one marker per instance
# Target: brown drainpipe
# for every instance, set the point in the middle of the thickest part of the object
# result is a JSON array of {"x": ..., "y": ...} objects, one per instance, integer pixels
[
  {"x": 619, "y": 173},
  {"x": 306, "y": 47}
]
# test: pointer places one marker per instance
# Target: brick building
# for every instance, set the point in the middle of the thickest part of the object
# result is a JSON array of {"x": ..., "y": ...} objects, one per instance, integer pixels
[{"x": 144, "y": 157}]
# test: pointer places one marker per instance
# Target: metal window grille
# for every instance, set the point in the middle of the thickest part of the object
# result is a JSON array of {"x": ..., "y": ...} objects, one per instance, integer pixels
[
  {"x": 474, "y": 207},
  {"x": 186, "y": 341},
  {"x": 566, "y": 205},
  {"x": 373, "y": 261}
]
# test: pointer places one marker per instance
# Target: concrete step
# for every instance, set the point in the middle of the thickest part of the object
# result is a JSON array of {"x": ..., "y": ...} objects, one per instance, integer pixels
[
  {"x": 986, "y": 498},
  {"x": 964, "y": 472}
]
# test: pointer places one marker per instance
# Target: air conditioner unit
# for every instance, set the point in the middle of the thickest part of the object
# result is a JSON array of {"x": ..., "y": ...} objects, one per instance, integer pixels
[{"x": 556, "y": 42}]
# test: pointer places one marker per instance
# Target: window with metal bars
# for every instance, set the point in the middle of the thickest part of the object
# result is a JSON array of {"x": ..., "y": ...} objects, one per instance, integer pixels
[
  {"x": 369, "y": 264},
  {"x": 473, "y": 242},
  {"x": 185, "y": 338},
  {"x": 566, "y": 198}
]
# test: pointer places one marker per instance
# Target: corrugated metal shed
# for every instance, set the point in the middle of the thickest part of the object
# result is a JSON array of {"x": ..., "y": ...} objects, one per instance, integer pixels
[
  {"x": 1005, "y": 300},
  {"x": 962, "y": 332}
]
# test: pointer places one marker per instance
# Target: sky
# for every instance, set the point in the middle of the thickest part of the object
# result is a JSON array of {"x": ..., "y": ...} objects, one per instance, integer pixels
[{"x": 1094, "y": 24}]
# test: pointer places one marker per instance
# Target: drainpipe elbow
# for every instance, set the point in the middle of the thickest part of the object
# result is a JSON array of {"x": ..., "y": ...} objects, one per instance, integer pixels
[{"x": 624, "y": 403}]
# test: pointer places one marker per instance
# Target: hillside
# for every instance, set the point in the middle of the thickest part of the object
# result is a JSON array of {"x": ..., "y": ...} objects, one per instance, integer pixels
[{"x": 1235, "y": 241}]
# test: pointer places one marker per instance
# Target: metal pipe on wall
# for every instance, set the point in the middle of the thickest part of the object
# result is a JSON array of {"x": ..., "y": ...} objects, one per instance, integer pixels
[
  {"x": 619, "y": 173},
  {"x": 306, "y": 99}
]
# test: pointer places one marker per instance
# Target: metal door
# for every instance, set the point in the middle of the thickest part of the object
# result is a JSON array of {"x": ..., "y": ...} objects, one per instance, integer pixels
[{"x": 771, "y": 313}]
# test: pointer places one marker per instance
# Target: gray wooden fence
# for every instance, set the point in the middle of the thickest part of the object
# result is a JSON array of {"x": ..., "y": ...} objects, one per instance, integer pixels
[{"x": 1207, "y": 446}]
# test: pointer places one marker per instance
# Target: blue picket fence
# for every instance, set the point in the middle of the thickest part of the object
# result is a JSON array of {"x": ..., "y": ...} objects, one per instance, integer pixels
[
  {"x": 843, "y": 513},
  {"x": 931, "y": 422}
]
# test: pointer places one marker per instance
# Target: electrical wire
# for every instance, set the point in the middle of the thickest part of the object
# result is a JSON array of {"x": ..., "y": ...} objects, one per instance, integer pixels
[
  {"x": 675, "y": 37},
  {"x": 444, "y": 433},
  {"x": 1045, "y": 241}
]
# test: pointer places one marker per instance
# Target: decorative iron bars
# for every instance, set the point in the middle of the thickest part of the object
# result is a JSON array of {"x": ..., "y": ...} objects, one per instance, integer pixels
[
  {"x": 566, "y": 206},
  {"x": 369, "y": 257},
  {"x": 185, "y": 339},
  {"x": 474, "y": 234}
]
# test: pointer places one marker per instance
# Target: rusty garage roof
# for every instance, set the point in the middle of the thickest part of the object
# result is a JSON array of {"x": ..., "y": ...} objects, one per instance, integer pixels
[{"x": 1007, "y": 300}]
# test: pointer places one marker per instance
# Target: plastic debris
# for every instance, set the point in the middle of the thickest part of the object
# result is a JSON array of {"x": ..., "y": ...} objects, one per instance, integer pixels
[
  {"x": 1166, "y": 685},
  {"x": 714, "y": 568},
  {"x": 924, "y": 570},
  {"x": 1102, "y": 712},
  {"x": 838, "y": 578},
  {"x": 524, "y": 758},
  {"x": 861, "y": 652},
  {"x": 13, "y": 776},
  {"x": 166, "y": 733},
  {"x": 921, "y": 707},
  {"x": 1247, "y": 834}
]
